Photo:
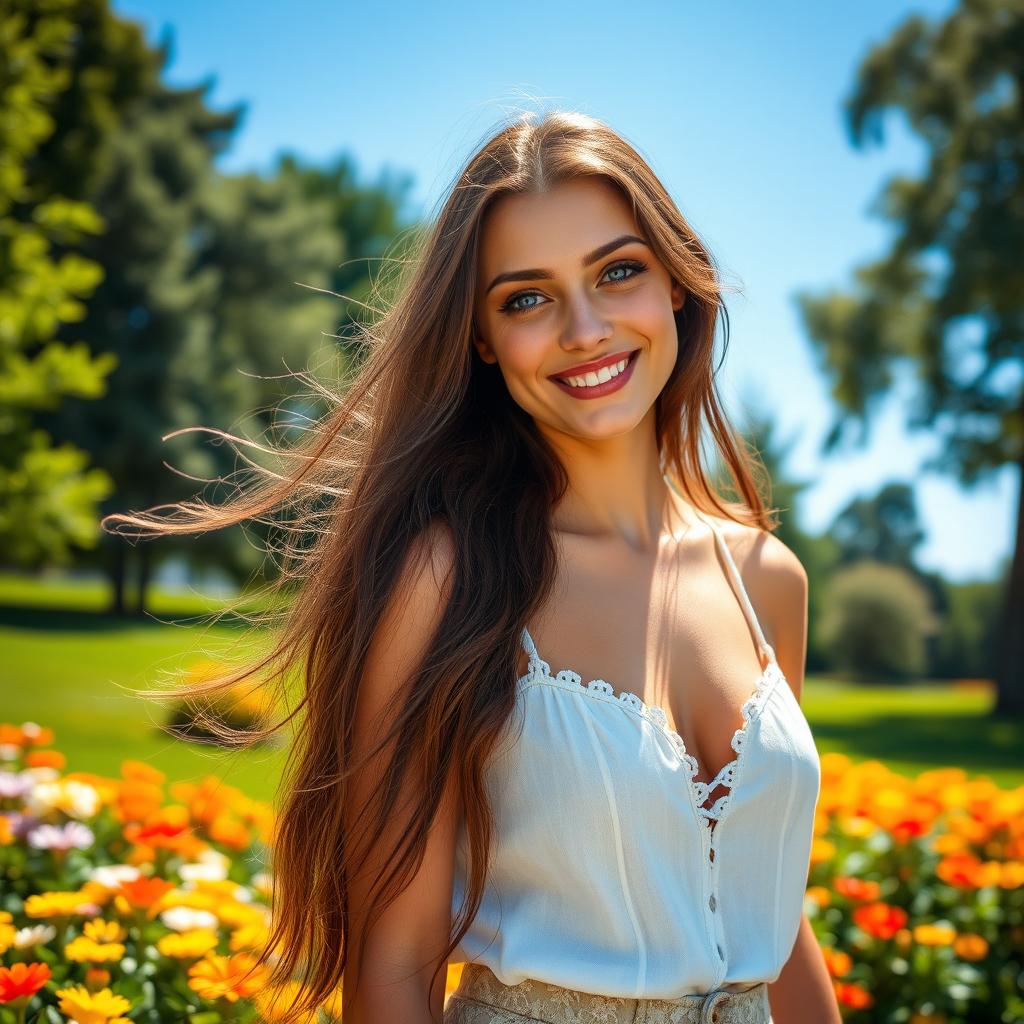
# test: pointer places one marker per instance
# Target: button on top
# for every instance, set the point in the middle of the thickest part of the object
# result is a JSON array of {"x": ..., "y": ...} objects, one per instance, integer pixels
[{"x": 711, "y": 901}]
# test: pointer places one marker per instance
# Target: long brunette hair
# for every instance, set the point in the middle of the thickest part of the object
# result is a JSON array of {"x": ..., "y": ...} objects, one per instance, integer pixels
[{"x": 425, "y": 433}]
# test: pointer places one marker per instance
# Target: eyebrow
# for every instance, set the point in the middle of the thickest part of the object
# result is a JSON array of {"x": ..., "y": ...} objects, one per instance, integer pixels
[{"x": 537, "y": 273}]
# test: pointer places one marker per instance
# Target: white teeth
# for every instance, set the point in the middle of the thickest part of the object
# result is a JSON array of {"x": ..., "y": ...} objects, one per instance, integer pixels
[{"x": 597, "y": 376}]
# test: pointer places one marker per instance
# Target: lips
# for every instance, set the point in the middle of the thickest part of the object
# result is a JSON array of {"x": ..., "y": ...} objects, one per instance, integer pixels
[{"x": 593, "y": 365}]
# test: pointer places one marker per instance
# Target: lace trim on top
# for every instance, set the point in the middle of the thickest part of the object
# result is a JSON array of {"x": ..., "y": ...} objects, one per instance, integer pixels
[{"x": 729, "y": 774}]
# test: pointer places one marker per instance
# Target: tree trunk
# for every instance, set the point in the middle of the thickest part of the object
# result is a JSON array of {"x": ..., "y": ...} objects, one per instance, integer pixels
[
  {"x": 145, "y": 566},
  {"x": 1010, "y": 664},
  {"x": 117, "y": 574}
]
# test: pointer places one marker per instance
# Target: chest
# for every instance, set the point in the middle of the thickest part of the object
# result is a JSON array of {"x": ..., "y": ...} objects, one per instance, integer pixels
[{"x": 670, "y": 629}]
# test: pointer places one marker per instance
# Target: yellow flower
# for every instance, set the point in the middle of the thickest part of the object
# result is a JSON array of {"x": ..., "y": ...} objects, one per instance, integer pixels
[
  {"x": 822, "y": 850},
  {"x": 969, "y": 946},
  {"x": 6, "y": 831},
  {"x": 58, "y": 904},
  {"x": 103, "y": 931},
  {"x": 934, "y": 934},
  {"x": 249, "y": 936},
  {"x": 82, "y": 949},
  {"x": 273, "y": 1002},
  {"x": 85, "y": 1007},
  {"x": 221, "y": 977},
  {"x": 819, "y": 894},
  {"x": 190, "y": 945},
  {"x": 857, "y": 825}
]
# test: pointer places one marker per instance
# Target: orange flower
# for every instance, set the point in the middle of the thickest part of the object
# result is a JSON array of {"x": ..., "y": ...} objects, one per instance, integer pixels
[
  {"x": 967, "y": 871},
  {"x": 140, "y": 771},
  {"x": 20, "y": 982},
  {"x": 144, "y": 893},
  {"x": 231, "y": 833},
  {"x": 880, "y": 920},
  {"x": 970, "y": 946},
  {"x": 852, "y": 995},
  {"x": 837, "y": 962},
  {"x": 1012, "y": 875},
  {"x": 45, "y": 759},
  {"x": 167, "y": 829},
  {"x": 908, "y": 829},
  {"x": 96, "y": 978},
  {"x": 137, "y": 800},
  {"x": 857, "y": 888}
]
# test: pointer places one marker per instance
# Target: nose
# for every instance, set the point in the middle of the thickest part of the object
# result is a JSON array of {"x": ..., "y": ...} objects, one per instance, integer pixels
[{"x": 585, "y": 327}]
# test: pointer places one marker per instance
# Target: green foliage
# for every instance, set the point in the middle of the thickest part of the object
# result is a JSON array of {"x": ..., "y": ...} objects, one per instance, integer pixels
[
  {"x": 876, "y": 620},
  {"x": 967, "y": 640},
  {"x": 48, "y": 493},
  {"x": 48, "y": 501},
  {"x": 943, "y": 304},
  {"x": 884, "y": 527}
]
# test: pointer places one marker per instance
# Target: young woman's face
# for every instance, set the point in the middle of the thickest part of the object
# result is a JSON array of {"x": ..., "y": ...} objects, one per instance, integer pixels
[{"x": 565, "y": 279}]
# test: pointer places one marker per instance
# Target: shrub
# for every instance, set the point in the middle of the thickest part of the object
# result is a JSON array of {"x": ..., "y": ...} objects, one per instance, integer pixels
[{"x": 874, "y": 621}]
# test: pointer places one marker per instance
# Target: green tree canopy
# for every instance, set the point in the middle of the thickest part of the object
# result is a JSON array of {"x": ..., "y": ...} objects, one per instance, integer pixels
[
  {"x": 945, "y": 300},
  {"x": 49, "y": 493}
]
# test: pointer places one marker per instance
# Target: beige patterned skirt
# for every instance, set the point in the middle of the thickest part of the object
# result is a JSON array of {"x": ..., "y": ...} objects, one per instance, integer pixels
[{"x": 482, "y": 999}]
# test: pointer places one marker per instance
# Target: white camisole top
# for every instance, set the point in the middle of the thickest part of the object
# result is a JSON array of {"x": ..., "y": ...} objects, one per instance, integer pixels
[{"x": 610, "y": 873}]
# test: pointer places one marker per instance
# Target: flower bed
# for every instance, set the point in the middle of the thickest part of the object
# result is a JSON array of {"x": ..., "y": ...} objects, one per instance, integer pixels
[{"x": 135, "y": 899}]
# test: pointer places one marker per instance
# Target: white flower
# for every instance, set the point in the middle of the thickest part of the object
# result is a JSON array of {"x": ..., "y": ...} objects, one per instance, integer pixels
[
  {"x": 35, "y": 935},
  {"x": 110, "y": 876},
  {"x": 15, "y": 785},
  {"x": 211, "y": 865},
  {"x": 184, "y": 919},
  {"x": 74, "y": 798},
  {"x": 81, "y": 799}
]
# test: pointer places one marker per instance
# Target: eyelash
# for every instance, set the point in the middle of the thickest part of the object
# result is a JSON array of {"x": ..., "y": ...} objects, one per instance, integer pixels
[{"x": 635, "y": 265}]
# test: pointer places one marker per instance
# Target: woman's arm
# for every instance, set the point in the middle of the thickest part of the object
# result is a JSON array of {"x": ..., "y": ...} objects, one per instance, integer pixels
[
  {"x": 404, "y": 944},
  {"x": 803, "y": 992}
]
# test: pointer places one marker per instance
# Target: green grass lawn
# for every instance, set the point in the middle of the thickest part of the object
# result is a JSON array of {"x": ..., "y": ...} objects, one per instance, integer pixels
[{"x": 66, "y": 665}]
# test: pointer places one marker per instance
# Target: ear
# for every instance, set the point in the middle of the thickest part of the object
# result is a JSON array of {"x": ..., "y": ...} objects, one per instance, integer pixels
[
  {"x": 678, "y": 296},
  {"x": 483, "y": 349}
]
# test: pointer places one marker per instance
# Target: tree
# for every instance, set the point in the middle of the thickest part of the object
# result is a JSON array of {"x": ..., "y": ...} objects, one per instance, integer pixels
[
  {"x": 49, "y": 494},
  {"x": 946, "y": 299},
  {"x": 885, "y": 527}
]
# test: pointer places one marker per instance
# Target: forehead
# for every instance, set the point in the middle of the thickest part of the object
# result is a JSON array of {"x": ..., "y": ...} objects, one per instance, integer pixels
[{"x": 540, "y": 229}]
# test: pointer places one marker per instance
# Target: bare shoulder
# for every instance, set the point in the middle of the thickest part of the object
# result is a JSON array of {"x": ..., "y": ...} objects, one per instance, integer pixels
[
  {"x": 776, "y": 582},
  {"x": 765, "y": 556}
]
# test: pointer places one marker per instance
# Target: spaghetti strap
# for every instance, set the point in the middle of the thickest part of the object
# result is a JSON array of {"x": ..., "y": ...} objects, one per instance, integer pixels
[
  {"x": 740, "y": 589},
  {"x": 528, "y": 645}
]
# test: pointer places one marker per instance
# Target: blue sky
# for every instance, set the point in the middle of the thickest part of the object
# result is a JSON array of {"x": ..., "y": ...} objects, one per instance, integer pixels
[{"x": 737, "y": 106}]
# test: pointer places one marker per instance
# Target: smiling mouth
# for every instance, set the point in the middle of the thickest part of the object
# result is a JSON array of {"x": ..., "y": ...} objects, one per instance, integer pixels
[{"x": 629, "y": 360}]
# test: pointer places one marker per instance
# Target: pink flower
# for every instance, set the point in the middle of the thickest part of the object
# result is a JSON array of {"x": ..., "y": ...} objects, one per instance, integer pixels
[{"x": 72, "y": 834}]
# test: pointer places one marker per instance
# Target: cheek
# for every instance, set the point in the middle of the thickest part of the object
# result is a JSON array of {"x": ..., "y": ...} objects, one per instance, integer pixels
[
  {"x": 523, "y": 347},
  {"x": 648, "y": 313}
]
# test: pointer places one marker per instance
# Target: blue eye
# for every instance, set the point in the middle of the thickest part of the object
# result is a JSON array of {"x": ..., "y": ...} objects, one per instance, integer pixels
[{"x": 635, "y": 266}]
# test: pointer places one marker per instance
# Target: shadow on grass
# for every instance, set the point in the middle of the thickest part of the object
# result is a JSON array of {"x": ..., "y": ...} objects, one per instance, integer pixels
[
  {"x": 974, "y": 742},
  {"x": 57, "y": 619}
]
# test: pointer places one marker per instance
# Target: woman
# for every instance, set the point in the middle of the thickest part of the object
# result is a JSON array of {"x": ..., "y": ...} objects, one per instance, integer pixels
[{"x": 495, "y": 519}]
